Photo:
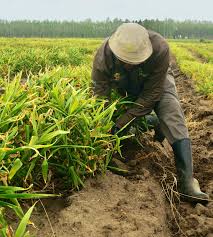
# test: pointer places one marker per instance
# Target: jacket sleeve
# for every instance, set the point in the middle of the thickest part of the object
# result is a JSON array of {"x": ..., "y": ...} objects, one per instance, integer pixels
[
  {"x": 152, "y": 91},
  {"x": 101, "y": 74},
  {"x": 101, "y": 83}
]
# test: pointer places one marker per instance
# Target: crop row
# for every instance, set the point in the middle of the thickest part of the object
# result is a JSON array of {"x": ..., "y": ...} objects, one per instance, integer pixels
[
  {"x": 32, "y": 56},
  {"x": 203, "y": 51},
  {"x": 50, "y": 126},
  {"x": 189, "y": 64}
]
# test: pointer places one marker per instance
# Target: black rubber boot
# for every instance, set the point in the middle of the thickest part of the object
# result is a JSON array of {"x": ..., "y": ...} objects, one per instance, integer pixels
[{"x": 188, "y": 186}]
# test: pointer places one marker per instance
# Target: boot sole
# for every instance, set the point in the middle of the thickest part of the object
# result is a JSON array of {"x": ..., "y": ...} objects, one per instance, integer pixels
[{"x": 191, "y": 199}]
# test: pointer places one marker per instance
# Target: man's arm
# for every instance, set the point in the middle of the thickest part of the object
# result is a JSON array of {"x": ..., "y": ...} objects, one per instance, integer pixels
[
  {"x": 152, "y": 91},
  {"x": 101, "y": 83},
  {"x": 101, "y": 72}
]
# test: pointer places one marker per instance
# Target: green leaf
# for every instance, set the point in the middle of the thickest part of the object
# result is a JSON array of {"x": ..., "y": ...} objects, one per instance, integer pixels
[
  {"x": 9, "y": 151},
  {"x": 33, "y": 140},
  {"x": 27, "y": 132},
  {"x": 74, "y": 177},
  {"x": 44, "y": 167},
  {"x": 23, "y": 224},
  {"x": 26, "y": 195},
  {"x": 15, "y": 208},
  {"x": 13, "y": 133},
  {"x": 51, "y": 135},
  {"x": 2, "y": 219},
  {"x": 32, "y": 166},
  {"x": 13, "y": 188},
  {"x": 16, "y": 166},
  {"x": 3, "y": 232}
]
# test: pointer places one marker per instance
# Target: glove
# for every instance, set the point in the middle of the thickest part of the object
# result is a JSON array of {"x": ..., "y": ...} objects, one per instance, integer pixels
[
  {"x": 159, "y": 136},
  {"x": 114, "y": 130}
]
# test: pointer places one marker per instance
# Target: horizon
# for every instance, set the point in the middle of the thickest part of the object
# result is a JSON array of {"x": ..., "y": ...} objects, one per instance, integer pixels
[
  {"x": 99, "y": 10},
  {"x": 105, "y": 20}
]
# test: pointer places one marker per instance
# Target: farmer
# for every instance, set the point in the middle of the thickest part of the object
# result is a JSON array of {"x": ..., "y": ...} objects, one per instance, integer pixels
[{"x": 135, "y": 62}]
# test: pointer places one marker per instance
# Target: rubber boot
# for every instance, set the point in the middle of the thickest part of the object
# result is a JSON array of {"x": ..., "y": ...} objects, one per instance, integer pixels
[{"x": 188, "y": 186}]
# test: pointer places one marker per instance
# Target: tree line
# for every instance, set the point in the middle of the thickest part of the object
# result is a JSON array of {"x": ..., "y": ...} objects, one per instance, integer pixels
[{"x": 88, "y": 29}]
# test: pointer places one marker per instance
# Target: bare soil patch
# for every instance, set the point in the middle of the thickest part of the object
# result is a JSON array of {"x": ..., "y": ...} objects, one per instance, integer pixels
[{"x": 109, "y": 206}]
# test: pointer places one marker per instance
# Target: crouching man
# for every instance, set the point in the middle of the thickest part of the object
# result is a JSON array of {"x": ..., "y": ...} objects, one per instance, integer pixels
[{"x": 134, "y": 61}]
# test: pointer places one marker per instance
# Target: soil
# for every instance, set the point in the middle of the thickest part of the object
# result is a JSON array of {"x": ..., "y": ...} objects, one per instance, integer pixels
[
  {"x": 109, "y": 206},
  {"x": 144, "y": 203}
]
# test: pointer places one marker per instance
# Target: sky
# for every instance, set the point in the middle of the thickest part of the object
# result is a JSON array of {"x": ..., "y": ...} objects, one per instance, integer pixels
[{"x": 100, "y": 9}]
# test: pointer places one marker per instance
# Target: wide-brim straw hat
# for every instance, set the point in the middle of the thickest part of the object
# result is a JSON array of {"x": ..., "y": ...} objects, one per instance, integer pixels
[{"x": 130, "y": 43}]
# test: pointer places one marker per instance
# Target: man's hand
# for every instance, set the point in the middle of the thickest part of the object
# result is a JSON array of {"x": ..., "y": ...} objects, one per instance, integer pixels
[{"x": 114, "y": 129}]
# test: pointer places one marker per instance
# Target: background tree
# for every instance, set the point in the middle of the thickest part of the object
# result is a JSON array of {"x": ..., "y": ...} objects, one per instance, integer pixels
[{"x": 87, "y": 28}]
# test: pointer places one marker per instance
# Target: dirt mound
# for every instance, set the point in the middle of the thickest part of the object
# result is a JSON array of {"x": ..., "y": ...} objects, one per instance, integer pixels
[{"x": 110, "y": 206}]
